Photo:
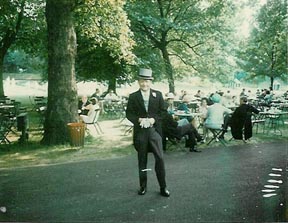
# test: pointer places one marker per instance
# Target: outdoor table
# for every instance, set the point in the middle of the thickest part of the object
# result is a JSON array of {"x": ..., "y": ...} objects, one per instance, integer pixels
[
  {"x": 275, "y": 119},
  {"x": 284, "y": 106},
  {"x": 8, "y": 110},
  {"x": 193, "y": 105},
  {"x": 5, "y": 106},
  {"x": 184, "y": 114},
  {"x": 195, "y": 116}
]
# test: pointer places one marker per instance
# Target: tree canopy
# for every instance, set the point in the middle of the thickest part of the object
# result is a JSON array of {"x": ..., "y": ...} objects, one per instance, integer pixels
[
  {"x": 104, "y": 41},
  {"x": 265, "y": 54},
  {"x": 21, "y": 27},
  {"x": 189, "y": 33}
]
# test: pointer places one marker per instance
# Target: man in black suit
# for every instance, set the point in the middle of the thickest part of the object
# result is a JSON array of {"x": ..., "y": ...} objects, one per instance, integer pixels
[
  {"x": 173, "y": 130},
  {"x": 144, "y": 110}
]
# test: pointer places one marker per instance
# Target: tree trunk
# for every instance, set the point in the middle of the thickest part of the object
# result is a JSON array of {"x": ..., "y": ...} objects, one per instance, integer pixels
[
  {"x": 169, "y": 70},
  {"x": 112, "y": 84},
  {"x": 271, "y": 82},
  {"x": 1, "y": 76},
  {"x": 62, "y": 90}
]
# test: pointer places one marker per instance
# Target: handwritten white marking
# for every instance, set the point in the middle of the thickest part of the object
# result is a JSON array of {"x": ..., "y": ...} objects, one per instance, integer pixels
[
  {"x": 269, "y": 195},
  {"x": 144, "y": 170},
  {"x": 268, "y": 191},
  {"x": 277, "y": 169},
  {"x": 275, "y": 181},
  {"x": 274, "y": 175},
  {"x": 271, "y": 186}
]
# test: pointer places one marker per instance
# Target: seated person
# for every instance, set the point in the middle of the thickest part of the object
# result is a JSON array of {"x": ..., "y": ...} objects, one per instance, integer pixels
[
  {"x": 268, "y": 98},
  {"x": 111, "y": 96},
  {"x": 96, "y": 94},
  {"x": 216, "y": 114},
  {"x": 174, "y": 130},
  {"x": 170, "y": 103},
  {"x": 241, "y": 118},
  {"x": 209, "y": 99},
  {"x": 285, "y": 95},
  {"x": 203, "y": 108},
  {"x": 198, "y": 94},
  {"x": 183, "y": 106},
  {"x": 92, "y": 109},
  {"x": 82, "y": 104}
]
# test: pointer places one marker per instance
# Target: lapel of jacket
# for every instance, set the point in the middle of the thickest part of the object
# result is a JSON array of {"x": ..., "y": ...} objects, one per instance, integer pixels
[
  {"x": 141, "y": 101},
  {"x": 152, "y": 99}
]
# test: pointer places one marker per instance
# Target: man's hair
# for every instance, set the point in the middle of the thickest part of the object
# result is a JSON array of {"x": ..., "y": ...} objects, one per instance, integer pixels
[{"x": 244, "y": 99}]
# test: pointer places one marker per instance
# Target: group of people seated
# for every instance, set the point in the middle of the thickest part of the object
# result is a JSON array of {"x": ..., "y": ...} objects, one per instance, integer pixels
[
  {"x": 214, "y": 115},
  {"x": 87, "y": 107},
  {"x": 173, "y": 129}
]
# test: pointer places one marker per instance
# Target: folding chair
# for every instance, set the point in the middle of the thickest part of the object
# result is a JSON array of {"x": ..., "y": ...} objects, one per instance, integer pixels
[
  {"x": 170, "y": 140},
  {"x": 39, "y": 101},
  {"x": 95, "y": 122},
  {"x": 5, "y": 128},
  {"x": 258, "y": 119},
  {"x": 216, "y": 136},
  {"x": 128, "y": 126}
]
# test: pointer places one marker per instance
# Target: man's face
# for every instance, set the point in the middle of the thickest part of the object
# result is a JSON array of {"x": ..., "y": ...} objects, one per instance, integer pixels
[
  {"x": 84, "y": 99},
  {"x": 170, "y": 101},
  {"x": 144, "y": 84}
]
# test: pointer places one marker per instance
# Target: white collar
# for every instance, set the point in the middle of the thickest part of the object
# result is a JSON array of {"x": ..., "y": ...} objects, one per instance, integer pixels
[{"x": 145, "y": 93}]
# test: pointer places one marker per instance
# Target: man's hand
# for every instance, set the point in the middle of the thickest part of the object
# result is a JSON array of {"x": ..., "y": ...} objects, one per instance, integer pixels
[
  {"x": 152, "y": 121},
  {"x": 146, "y": 122}
]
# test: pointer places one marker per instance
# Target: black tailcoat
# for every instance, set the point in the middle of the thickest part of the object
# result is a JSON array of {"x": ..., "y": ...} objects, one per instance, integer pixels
[
  {"x": 147, "y": 139},
  {"x": 136, "y": 109},
  {"x": 241, "y": 118}
]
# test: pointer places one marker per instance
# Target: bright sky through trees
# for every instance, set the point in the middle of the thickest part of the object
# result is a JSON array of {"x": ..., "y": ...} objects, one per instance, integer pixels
[{"x": 246, "y": 17}]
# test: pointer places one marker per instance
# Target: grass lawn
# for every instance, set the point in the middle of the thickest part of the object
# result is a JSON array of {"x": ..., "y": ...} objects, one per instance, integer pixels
[{"x": 111, "y": 144}]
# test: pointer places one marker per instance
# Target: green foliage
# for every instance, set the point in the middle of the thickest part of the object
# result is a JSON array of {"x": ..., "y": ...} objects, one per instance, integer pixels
[
  {"x": 193, "y": 32},
  {"x": 104, "y": 40},
  {"x": 265, "y": 54},
  {"x": 18, "y": 61},
  {"x": 25, "y": 19},
  {"x": 21, "y": 27}
]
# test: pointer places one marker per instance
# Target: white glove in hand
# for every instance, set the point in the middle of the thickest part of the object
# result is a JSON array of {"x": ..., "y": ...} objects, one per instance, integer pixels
[{"x": 145, "y": 123}]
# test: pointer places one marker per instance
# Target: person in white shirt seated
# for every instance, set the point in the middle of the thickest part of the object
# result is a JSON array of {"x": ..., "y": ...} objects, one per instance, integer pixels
[
  {"x": 111, "y": 96},
  {"x": 92, "y": 108},
  {"x": 216, "y": 114},
  {"x": 170, "y": 102},
  {"x": 82, "y": 104}
]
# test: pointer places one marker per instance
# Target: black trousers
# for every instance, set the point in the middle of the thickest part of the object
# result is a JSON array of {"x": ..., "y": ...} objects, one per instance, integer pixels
[
  {"x": 191, "y": 132},
  {"x": 149, "y": 140}
]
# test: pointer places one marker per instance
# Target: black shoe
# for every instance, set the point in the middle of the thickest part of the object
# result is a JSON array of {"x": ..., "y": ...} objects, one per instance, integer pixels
[
  {"x": 195, "y": 150},
  {"x": 200, "y": 139},
  {"x": 142, "y": 191},
  {"x": 164, "y": 192}
]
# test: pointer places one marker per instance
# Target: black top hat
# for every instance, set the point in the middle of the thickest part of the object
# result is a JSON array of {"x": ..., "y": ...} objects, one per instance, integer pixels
[{"x": 145, "y": 74}]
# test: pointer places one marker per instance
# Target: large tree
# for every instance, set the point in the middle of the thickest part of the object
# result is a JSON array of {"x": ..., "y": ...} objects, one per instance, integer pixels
[
  {"x": 187, "y": 32},
  {"x": 265, "y": 54},
  {"x": 104, "y": 41},
  {"x": 100, "y": 25},
  {"x": 62, "y": 90},
  {"x": 21, "y": 26}
]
